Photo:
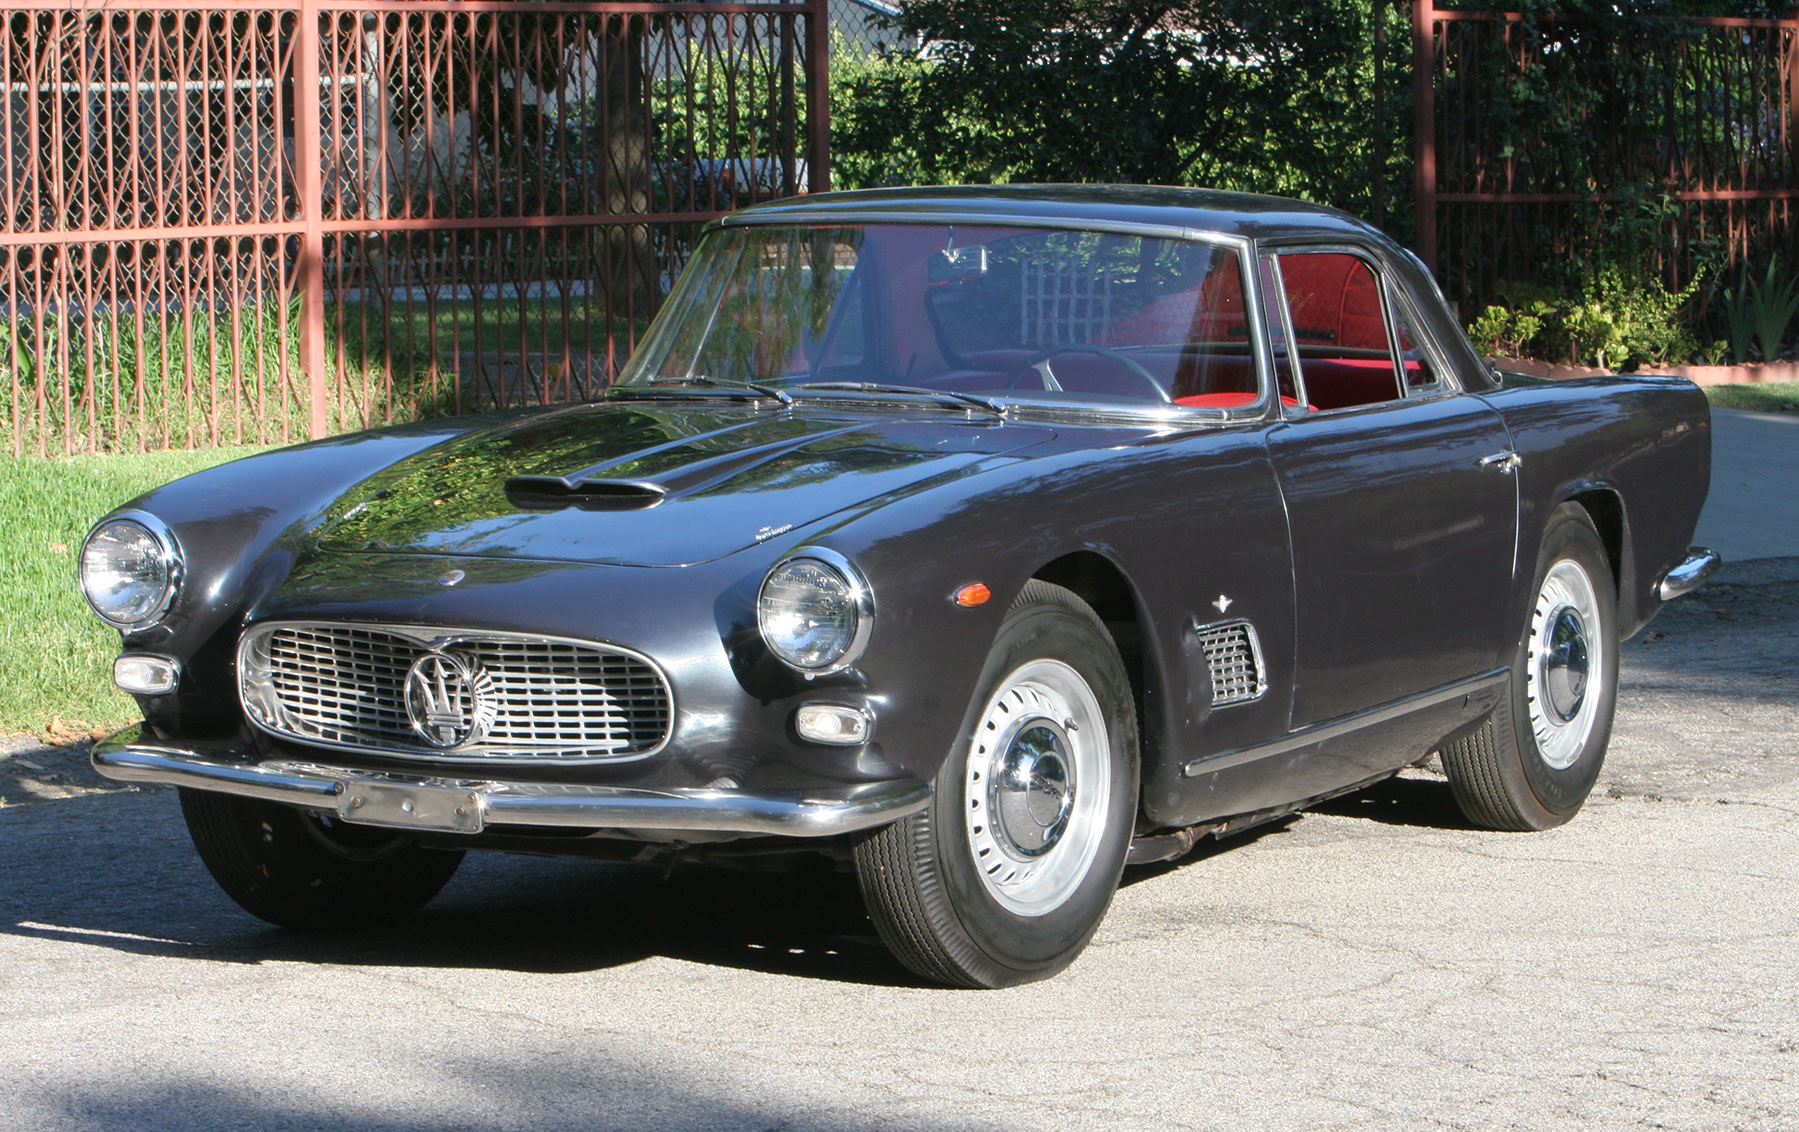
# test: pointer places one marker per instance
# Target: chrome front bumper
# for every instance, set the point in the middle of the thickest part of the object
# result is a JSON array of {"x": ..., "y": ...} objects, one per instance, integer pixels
[
  {"x": 1700, "y": 563},
  {"x": 456, "y": 805}
]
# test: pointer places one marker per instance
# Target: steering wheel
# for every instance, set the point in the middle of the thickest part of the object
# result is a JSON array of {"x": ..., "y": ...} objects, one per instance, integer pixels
[{"x": 1040, "y": 362}]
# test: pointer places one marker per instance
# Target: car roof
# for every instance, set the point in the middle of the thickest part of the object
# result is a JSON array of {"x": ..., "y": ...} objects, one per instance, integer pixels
[{"x": 1245, "y": 215}]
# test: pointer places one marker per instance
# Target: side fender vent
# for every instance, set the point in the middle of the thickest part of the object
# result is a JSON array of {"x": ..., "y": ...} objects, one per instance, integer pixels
[{"x": 1234, "y": 656}]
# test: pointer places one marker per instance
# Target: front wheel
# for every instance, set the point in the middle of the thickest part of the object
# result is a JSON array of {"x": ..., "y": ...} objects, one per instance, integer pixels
[
  {"x": 1005, "y": 876},
  {"x": 311, "y": 871},
  {"x": 1532, "y": 763}
]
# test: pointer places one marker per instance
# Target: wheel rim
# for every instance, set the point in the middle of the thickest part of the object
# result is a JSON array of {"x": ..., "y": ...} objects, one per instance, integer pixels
[
  {"x": 1037, "y": 787},
  {"x": 1565, "y": 650}
]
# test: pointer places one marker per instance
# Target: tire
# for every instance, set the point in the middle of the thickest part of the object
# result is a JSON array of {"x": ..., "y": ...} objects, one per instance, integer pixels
[
  {"x": 311, "y": 872},
  {"x": 1006, "y": 875},
  {"x": 1533, "y": 761}
]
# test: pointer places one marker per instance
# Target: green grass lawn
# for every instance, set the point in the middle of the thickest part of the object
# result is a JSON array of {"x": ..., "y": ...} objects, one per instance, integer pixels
[
  {"x": 55, "y": 655},
  {"x": 529, "y": 327},
  {"x": 1766, "y": 397}
]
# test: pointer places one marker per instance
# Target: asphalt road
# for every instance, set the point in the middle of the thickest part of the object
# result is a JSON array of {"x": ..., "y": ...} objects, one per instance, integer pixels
[{"x": 1375, "y": 964}]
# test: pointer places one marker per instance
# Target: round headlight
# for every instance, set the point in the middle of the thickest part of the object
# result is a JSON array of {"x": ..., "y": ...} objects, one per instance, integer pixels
[
  {"x": 815, "y": 611},
  {"x": 129, "y": 571}
]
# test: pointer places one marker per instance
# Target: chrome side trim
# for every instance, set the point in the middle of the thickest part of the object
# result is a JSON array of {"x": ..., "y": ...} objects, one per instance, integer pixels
[
  {"x": 1700, "y": 563},
  {"x": 1319, "y": 732},
  {"x": 128, "y": 757}
]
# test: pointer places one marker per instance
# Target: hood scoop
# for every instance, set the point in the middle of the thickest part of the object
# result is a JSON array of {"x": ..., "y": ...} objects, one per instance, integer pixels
[{"x": 553, "y": 493}]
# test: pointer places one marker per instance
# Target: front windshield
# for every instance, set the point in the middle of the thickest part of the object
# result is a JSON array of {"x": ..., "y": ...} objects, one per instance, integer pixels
[{"x": 1023, "y": 312}]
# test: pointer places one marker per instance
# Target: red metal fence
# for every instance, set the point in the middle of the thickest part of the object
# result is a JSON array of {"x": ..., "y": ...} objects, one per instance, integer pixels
[
  {"x": 1520, "y": 153},
  {"x": 237, "y": 221}
]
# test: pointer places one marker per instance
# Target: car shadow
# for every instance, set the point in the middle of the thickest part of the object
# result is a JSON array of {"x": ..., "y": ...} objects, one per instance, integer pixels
[
  {"x": 1425, "y": 802},
  {"x": 118, "y": 871}
]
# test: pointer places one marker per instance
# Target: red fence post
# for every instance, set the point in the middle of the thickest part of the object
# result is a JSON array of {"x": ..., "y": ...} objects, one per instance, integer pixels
[
  {"x": 1424, "y": 127},
  {"x": 818, "y": 98},
  {"x": 309, "y": 184}
]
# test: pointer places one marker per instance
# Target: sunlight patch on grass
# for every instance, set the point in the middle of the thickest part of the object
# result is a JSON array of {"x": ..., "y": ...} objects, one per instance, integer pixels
[{"x": 55, "y": 655}]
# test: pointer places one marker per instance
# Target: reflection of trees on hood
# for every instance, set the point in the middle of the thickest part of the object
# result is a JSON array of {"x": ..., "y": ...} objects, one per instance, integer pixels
[
  {"x": 461, "y": 485},
  {"x": 779, "y": 298},
  {"x": 465, "y": 481}
]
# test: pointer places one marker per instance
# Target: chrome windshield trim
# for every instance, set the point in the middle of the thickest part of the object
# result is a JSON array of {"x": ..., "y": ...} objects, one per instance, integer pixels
[{"x": 863, "y": 216}]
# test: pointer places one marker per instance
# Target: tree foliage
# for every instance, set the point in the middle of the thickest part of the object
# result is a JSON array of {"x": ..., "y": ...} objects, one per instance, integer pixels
[{"x": 1241, "y": 94}]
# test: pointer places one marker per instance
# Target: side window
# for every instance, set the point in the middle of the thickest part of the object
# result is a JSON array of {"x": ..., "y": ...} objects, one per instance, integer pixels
[
  {"x": 1420, "y": 370},
  {"x": 1339, "y": 329}
]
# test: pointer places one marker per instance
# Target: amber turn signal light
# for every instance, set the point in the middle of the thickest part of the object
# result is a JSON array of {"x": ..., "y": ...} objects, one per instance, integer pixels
[{"x": 975, "y": 593}]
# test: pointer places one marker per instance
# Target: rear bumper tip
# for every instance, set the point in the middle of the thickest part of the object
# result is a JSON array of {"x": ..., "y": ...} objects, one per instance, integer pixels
[{"x": 1700, "y": 563}]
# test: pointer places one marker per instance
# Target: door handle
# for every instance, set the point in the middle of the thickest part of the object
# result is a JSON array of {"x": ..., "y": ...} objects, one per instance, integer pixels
[{"x": 1504, "y": 462}]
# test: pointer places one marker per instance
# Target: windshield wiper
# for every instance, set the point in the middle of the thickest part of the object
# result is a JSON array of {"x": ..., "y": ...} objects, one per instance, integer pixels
[
  {"x": 700, "y": 380},
  {"x": 949, "y": 397}
]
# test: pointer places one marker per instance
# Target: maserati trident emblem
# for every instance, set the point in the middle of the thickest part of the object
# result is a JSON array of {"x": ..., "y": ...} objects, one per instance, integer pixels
[
  {"x": 1223, "y": 603},
  {"x": 449, "y": 699},
  {"x": 451, "y": 578}
]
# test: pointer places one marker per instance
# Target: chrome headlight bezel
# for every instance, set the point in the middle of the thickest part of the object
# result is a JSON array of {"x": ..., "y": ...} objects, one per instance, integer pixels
[
  {"x": 167, "y": 554},
  {"x": 855, "y": 589}
]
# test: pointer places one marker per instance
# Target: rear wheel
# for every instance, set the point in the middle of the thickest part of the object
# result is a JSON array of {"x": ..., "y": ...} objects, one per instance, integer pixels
[
  {"x": 1532, "y": 763},
  {"x": 1005, "y": 876},
  {"x": 304, "y": 870}
]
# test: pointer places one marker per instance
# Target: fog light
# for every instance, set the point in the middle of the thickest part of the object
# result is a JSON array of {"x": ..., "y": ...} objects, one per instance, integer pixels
[
  {"x": 145, "y": 675},
  {"x": 833, "y": 723}
]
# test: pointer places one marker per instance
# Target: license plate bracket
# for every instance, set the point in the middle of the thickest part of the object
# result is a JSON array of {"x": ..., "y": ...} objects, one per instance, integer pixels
[{"x": 410, "y": 805}]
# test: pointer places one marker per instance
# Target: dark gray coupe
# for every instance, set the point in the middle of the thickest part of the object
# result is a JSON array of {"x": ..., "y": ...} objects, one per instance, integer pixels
[{"x": 983, "y": 540}]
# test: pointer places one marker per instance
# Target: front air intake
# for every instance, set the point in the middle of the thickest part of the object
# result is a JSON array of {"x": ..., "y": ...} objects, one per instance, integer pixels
[{"x": 452, "y": 694}]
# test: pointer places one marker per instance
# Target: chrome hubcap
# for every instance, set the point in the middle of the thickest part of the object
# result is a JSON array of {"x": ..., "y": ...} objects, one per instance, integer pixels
[
  {"x": 1037, "y": 787},
  {"x": 1565, "y": 665},
  {"x": 1032, "y": 791},
  {"x": 1563, "y": 655}
]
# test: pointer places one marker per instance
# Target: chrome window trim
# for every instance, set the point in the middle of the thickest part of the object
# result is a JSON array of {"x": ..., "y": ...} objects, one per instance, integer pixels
[
  {"x": 437, "y": 638},
  {"x": 1268, "y": 273},
  {"x": 1447, "y": 379},
  {"x": 171, "y": 560},
  {"x": 1381, "y": 275}
]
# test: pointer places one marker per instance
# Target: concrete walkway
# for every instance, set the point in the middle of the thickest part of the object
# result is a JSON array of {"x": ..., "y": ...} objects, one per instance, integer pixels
[{"x": 1753, "y": 509}]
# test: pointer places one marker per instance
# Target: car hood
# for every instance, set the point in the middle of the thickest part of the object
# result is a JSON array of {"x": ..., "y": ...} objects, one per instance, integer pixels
[{"x": 655, "y": 484}]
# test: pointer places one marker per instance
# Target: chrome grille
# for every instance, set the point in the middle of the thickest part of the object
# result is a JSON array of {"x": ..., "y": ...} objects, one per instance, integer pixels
[
  {"x": 1234, "y": 657},
  {"x": 345, "y": 685}
]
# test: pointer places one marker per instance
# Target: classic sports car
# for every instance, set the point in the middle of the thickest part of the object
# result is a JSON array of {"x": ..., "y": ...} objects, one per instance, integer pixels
[{"x": 981, "y": 539}]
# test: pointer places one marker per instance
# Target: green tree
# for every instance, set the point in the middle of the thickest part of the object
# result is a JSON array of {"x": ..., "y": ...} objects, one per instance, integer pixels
[{"x": 1095, "y": 90}]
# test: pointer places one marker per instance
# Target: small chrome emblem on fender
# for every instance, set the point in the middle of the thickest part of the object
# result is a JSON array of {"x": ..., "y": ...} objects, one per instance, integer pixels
[
  {"x": 1223, "y": 603},
  {"x": 451, "y": 578}
]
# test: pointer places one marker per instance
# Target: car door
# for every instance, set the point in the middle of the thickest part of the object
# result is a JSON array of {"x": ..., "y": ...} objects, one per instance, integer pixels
[{"x": 1402, "y": 506}]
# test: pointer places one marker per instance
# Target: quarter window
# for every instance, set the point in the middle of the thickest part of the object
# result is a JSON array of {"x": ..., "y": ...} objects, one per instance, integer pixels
[{"x": 1420, "y": 371}]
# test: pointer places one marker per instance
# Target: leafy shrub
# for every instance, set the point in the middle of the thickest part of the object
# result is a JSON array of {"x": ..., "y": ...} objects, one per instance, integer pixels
[{"x": 1616, "y": 321}]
